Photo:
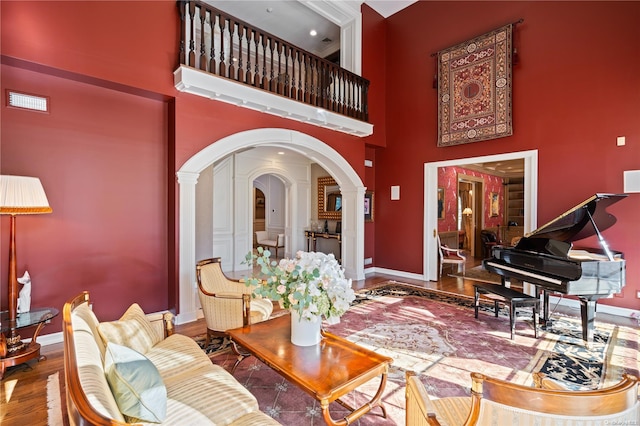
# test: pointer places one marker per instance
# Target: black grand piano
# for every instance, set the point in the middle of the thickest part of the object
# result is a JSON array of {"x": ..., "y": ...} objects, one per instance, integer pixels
[{"x": 546, "y": 258}]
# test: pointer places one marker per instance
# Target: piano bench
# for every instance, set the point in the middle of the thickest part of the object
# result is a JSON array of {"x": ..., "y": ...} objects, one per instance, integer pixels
[{"x": 514, "y": 299}]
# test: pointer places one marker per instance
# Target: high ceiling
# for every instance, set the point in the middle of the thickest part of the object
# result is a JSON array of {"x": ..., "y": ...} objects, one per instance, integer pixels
[{"x": 292, "y": 21}]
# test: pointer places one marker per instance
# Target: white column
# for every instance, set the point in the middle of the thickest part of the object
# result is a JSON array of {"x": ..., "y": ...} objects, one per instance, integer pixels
[
  {"x": 352, "y": 246},
  {"x": 187, "y": 308}
]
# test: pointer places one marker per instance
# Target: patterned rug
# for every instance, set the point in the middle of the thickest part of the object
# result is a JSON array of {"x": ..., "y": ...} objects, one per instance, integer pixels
[{"x": 436, "y": 335}]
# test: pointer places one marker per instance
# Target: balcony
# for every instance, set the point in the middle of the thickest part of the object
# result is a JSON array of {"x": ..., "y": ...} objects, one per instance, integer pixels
[{"x": 226, "y": 59}]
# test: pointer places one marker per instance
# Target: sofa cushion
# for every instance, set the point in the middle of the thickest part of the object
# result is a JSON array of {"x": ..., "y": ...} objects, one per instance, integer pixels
[
  {"x": 176, "y": 354},
  {"x": 208, "y": 392},
  {"x": 136, "y": 384},
  {"x": 133, "y": 330}
]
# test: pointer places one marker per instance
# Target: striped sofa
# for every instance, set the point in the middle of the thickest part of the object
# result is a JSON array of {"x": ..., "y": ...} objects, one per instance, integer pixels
[{"x": 197, "y": 391}]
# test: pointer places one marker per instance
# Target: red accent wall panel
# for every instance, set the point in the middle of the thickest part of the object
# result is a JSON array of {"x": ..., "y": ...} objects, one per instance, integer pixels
[
  {"x": 132, "y": 42},
  {"x": 100, "y": 155},
  {"x": 374, "y": 57}
]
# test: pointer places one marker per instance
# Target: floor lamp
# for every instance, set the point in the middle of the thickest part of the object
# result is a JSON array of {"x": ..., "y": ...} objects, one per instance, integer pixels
[{"x": 19, "y": 195}]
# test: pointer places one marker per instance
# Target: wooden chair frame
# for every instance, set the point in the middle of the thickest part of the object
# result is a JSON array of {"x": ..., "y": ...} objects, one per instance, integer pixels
[
  {"x": 548, "y": 397},
  {"x": 451, "y": 256}
]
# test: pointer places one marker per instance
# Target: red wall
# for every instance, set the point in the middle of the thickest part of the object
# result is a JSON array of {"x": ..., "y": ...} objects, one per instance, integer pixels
[
  {"x": 448, "y": 180},
  {"x": 100, "y": 155},
  {"x": 574, "y": 91}
]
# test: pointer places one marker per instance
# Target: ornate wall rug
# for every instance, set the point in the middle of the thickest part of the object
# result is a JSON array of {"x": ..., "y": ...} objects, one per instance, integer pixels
[{"x": 474, "y": 89}]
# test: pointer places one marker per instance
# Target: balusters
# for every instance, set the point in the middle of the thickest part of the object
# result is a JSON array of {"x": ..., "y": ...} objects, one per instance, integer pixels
[
  {"x": 307, "y": 79},
  {"x": 297, "y": 75},
  {"x": 250, "y": 34},
  {"x": 270, "y": 83},
  {"x": 256, "y": 81},
  {"x": 222, "y": 68},
  {"x": 203, "y": 52},
  {"x": 232, "y": 65},
  {"x": 364, "y": 110},
  {"x": 192, "y": 40},
  {"x": 340, "y": 108},
  {"x": 241, "y": 37},
  {"x": 183, "y": 49},
  {"x": 265, "y": 79},
  {"x": 288, "y": 54},
  {"x": 212, "y": 50},
  {"x": 299, "y": 94}
]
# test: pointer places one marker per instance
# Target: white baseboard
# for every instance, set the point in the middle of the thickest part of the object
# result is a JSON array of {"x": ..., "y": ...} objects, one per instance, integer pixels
[
  {"x": 48, "y": 339},
  {"x": 574, "y": 304},
  {"x": 401, "y": 274}
]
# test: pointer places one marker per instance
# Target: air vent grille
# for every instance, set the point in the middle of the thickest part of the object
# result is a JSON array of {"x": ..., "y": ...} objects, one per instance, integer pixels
[{"x": 25, "y": 101}]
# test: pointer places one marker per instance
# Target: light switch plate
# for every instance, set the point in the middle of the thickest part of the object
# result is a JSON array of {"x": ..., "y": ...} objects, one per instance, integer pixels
[{"x": 395, "y": 192}]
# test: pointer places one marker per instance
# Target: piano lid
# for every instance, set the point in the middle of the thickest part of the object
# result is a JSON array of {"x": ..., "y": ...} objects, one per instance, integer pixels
[{"x": 575, "y": 225}]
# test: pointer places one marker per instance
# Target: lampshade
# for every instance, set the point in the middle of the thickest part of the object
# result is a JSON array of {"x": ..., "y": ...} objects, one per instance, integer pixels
[
  {"x": 22, "y": 195},
  {"x": 467, "y": 211}
]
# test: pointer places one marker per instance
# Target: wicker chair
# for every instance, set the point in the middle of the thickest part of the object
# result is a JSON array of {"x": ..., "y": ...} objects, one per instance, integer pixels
[
  {"x": 227, "y": 303},
  {"x": 495, "y": 401}
]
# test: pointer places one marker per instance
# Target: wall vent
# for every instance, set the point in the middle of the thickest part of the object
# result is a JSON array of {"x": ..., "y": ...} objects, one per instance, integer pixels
[{"x": 26, "y": 101}]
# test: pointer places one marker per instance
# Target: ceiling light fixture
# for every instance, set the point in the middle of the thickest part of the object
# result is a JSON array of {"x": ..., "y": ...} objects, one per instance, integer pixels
[{"x": 313, "y": 33}]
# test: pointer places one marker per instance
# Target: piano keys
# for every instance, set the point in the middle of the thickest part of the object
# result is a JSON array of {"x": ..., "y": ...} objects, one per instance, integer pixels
[{"x": 546, "y": 258}]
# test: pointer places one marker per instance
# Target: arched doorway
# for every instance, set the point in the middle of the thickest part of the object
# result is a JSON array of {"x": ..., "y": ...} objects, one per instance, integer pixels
[{"x": 350, "y": 184}]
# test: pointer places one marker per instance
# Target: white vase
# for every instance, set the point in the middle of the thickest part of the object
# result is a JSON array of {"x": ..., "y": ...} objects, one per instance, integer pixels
[{"x": 304, "y": 332}]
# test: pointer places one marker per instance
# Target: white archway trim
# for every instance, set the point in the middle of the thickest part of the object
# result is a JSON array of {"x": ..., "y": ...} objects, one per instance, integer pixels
[
  {"x": 350, "y": 184},
  {"x": 430, "y": 256}
]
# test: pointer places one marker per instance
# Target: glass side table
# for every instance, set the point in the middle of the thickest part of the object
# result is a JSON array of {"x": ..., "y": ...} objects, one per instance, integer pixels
[{"x": 13, "y": 350}]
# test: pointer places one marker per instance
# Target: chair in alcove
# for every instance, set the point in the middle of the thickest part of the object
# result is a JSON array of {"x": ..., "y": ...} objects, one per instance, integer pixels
[
  {"x": 451, "y": 256},
  {"x": 262, "y": 237}
]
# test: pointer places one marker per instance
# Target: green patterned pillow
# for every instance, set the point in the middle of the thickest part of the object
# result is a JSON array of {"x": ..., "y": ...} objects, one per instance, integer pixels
[
  {"x": 133, "y": 330},
  {"x": 135, "y": 383}
]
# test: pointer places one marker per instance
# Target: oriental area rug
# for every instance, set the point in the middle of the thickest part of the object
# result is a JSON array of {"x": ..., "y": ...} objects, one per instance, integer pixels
[{"x": 436, "y": 335}]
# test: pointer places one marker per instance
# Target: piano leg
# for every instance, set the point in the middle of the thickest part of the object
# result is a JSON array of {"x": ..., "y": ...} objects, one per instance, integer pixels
[
  {"x": 588, "y": 313},
  {"x": 544, "y": 318}
]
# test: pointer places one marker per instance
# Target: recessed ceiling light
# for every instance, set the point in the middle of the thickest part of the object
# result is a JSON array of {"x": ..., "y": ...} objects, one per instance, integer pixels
[
  {"x": 269, "y": 9},
  {"x": 313, "y": 33}
]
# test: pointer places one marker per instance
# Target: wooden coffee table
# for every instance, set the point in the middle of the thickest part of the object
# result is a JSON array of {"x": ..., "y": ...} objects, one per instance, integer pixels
[{"x": 327, "y": 371}]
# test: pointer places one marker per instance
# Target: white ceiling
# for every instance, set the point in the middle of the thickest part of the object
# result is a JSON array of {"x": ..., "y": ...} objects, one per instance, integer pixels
[{"x": 292, "y": 20}]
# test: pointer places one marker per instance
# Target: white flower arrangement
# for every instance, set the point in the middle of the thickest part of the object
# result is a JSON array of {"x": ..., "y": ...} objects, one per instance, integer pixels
[{"x": 313, "y": 284}]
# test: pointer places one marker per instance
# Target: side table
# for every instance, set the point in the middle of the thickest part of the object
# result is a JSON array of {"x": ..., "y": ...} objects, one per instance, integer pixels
[{"x": 13, "y": 350}]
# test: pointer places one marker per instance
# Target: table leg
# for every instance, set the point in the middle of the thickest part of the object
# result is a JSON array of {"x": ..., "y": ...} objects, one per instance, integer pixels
[
  {"x": 240, "y": 355},
  {"x": 359, "y": 412}
]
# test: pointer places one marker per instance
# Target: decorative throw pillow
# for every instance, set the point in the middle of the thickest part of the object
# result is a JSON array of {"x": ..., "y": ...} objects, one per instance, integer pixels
[
  {"x": 135, "y": 383},
  {"x": 133, "y": 330}
]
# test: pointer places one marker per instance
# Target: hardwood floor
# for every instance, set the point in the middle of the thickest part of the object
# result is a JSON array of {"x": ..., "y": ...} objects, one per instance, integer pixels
[{"x": 23, "y": 395}]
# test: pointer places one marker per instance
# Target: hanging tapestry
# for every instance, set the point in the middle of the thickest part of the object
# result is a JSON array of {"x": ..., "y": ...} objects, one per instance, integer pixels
[{"x": 474, "y": 89}]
